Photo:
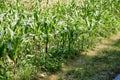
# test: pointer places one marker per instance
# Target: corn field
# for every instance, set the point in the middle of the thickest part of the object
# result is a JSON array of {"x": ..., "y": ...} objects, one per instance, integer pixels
[{"x": 35, "y": 39}]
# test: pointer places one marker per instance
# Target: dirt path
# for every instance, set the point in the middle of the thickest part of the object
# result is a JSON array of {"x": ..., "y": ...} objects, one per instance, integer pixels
[{"x": 105, "y": 43}]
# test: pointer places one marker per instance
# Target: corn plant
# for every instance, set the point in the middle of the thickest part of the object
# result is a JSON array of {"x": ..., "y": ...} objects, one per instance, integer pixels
[{"x": 46, "y": 37}]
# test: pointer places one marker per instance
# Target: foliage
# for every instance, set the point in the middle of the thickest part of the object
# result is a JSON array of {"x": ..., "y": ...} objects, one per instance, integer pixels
[{"x": 46, "y": 37}]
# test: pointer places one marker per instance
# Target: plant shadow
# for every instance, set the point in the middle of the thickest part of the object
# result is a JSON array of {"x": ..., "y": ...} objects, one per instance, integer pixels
[
  {"x": 117, "y": 44},
  {"x": 104, "y": 66}
]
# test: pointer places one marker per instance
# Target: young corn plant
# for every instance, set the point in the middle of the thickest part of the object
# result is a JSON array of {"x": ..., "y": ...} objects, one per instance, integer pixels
[{"x": 49, "y": 35}]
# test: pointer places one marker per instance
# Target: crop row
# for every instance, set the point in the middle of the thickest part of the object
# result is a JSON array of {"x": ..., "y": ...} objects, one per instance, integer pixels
[{"x": 43, "y": 38}]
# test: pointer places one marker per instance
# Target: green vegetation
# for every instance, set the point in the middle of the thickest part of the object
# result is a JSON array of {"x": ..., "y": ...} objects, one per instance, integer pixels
[
  {"x": 35, "y": 39},
  {"x": 104, "y": 66}
]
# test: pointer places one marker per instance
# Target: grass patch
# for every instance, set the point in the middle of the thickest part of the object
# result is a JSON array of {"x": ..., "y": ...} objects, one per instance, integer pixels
[{"x": 104, "y": 66}]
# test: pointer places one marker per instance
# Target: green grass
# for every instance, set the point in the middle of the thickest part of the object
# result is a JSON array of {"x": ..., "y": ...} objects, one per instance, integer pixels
[{"x": 104, "y": 66}]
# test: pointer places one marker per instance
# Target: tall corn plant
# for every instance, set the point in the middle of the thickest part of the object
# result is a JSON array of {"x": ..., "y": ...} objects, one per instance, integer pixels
[{"x": 53, "y": 33}]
